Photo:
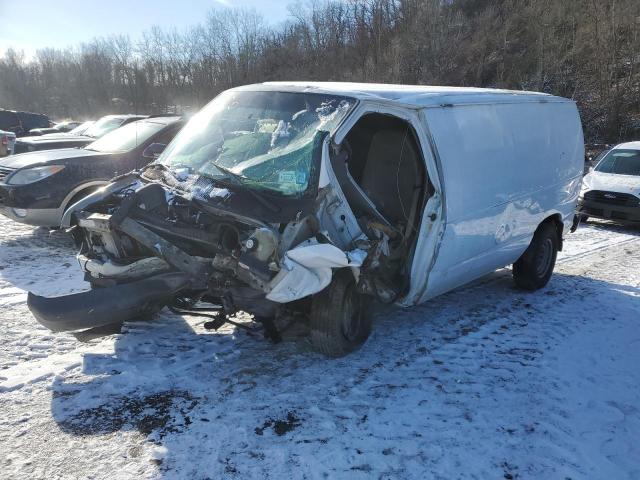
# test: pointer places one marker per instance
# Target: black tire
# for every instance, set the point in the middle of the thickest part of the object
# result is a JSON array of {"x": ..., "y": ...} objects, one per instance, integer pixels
[
  {"x": 340, "y": 317},
  {"x": 534, "y": 268}
]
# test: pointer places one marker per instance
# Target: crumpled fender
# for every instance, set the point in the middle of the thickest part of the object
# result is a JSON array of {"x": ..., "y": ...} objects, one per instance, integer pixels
[
  {"x": 306, "y": 270},
  {"x": 95, "y": 197}
]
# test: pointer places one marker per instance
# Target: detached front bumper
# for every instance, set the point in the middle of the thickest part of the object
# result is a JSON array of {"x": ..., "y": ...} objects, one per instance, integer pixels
[
  {"x": 106, "y": 306},
  {"x": 609, "y": 211}
]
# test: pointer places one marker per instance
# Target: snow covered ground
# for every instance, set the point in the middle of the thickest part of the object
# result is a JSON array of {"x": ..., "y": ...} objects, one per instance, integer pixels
[{"x": 484, "y": 382}]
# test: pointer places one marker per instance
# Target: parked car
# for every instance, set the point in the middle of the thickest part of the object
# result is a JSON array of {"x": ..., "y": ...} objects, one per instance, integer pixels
[
  {"x": 36, "y": 188},
  {"x": 612, "y": 189},
  {"x": 311, "y": 200},
  {"x": 21, "y": 122},
  {"x": 62, "y": 127},
  {"x": 7, "y": 141},
  {"x": 95, "y": 131},
  {"x": 78, "y": 131}
]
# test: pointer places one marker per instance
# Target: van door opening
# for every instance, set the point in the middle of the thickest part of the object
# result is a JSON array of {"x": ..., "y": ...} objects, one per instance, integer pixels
[{"x": 382, "y": 173}]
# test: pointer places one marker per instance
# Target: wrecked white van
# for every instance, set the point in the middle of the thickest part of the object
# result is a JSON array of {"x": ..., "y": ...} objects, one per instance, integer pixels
[{"x": 311, "y": 200}]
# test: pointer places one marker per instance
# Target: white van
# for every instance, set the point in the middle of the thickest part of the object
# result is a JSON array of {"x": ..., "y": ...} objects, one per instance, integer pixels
[{"x": 316, "y": 198}]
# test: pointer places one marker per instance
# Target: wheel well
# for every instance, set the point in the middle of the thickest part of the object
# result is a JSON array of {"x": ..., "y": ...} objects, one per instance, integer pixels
[
  {"x": 556, "y": 221},
  {"x": 81, "y": 194}
]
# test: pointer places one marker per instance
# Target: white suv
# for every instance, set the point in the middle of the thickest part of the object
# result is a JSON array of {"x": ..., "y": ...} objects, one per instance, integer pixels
[{"x": 612, "y": 189}]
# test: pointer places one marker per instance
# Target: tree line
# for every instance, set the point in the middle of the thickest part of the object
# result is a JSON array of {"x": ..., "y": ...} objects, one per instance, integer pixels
[{"x": 587, "y": 50}]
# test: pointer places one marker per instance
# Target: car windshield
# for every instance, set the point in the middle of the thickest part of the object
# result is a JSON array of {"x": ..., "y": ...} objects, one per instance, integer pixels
[
  {"x": 621, "y": 162},
  {"x": 103, "y": 126},
  {"x": 125, "y": 138},
  {"x": 263, "y": 140},
  {"x": 80, "y": 129}
]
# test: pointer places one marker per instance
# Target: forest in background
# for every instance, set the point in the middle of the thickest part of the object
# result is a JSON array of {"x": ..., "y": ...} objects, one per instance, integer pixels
[{"x": 587, "y": 50}]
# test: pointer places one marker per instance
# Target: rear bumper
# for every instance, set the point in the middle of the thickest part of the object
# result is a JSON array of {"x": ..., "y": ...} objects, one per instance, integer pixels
[{"x": 607, "y": 211}]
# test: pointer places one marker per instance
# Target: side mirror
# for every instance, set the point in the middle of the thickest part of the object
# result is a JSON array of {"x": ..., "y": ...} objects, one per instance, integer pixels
[{"x": 153, "y": 151}]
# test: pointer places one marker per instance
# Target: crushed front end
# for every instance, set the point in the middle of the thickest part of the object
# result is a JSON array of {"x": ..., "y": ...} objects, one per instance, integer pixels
[{"x": 248, "y": 211}]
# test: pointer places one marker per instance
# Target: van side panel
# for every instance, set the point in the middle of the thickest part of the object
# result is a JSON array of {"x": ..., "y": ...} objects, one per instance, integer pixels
[{"x": 506, "y": 167}]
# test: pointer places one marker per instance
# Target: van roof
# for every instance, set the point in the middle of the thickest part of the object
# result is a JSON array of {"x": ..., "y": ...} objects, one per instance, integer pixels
[{"x": 419, "y": 95}]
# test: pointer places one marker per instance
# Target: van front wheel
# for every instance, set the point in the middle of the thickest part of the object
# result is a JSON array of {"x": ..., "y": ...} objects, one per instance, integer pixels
[
  {"x": 534, "y": 268},
  {"x": 340, "y": 318}
]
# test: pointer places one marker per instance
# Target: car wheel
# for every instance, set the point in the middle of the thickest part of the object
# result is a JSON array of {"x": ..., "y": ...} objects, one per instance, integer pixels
[
  {"x": 534, "y": 268},
  {"x": 340, "y": 317}
]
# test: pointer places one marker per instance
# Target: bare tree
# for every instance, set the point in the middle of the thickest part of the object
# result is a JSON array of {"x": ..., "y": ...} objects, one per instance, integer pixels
[{"x": 584, "y": 49}]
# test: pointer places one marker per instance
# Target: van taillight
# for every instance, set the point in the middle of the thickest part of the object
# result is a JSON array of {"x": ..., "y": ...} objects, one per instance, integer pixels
[{"x": 5, "y": 140}]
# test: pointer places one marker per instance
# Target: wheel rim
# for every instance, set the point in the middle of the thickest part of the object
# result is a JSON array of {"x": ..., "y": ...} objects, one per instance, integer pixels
[
  {"x": 351, "y": 321},
  {"x": 544, "y": 257}
]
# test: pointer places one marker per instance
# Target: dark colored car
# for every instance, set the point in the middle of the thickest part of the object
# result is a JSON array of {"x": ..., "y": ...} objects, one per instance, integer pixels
[
  {"x": 62, "y": 127},
  {"x": 97, "y": 130},
  {"x": 21, "y": 123},
  {"x": 36, "y": 188}
]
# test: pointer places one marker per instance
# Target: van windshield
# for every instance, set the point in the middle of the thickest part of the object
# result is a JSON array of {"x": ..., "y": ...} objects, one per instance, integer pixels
[
  {"x": 621, "y": 162},
  {"x": 262, "y": 140}
]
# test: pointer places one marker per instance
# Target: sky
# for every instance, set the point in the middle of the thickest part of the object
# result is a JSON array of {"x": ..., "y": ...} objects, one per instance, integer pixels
[{"x": 29, "y": 25}]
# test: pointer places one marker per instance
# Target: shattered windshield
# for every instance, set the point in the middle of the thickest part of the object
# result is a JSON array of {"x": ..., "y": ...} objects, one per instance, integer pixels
[{"x": 262, "y": 140}]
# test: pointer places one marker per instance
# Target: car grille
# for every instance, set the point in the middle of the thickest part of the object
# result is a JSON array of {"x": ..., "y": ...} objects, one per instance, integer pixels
[
  {"x": 612, "y": 198},
  {"x": 5, "y": 172}
]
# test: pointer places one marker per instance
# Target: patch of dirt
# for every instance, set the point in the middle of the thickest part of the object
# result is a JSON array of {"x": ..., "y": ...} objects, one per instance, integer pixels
[
  {"x": 164, "y": 412},
  {"x": 280, "y": 427}
]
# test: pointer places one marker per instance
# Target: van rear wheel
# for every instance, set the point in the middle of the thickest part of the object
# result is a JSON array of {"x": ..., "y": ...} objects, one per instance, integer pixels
[
  {"x": 340, "y": 317},
  {"x": 534, "y": 268}
]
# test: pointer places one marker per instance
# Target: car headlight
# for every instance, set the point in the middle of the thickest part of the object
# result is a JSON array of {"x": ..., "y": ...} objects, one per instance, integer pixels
[{"x": 31, "y": 175}]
